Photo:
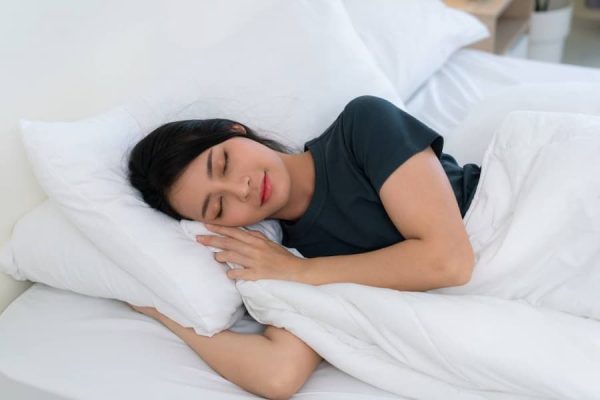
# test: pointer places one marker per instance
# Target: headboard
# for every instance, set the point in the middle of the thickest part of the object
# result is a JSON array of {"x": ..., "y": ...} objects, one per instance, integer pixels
[{"x": 67, "y": 60}]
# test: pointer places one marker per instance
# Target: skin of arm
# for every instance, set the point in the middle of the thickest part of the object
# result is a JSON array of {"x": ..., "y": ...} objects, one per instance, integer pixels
[
  {"x": 407, "y": 265},
  {"x": 274, "y": 365},
  {"x": 437, "y": 251}
]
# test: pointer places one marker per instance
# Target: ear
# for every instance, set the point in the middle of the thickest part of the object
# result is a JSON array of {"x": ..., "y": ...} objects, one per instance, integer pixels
[{"x": 238, "y": 128}]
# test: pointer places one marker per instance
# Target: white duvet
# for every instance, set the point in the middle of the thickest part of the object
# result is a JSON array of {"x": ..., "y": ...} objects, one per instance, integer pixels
[{"x": 526, "y": 326}]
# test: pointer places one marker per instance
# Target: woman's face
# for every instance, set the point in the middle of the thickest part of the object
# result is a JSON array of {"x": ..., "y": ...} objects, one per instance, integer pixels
[{"x": 233, "y": 194}]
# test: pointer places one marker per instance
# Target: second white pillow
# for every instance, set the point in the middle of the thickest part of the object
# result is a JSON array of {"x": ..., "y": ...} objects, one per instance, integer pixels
[{"x": 411, "y": 39}]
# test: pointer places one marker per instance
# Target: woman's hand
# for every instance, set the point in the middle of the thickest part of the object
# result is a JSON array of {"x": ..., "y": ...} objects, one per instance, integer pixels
[
  {"x": 149, "y": 311},
  {"x": 261, "y": 257}
]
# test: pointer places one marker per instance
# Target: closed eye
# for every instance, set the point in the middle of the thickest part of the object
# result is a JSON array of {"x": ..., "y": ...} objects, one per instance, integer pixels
[{"x": 220, "y": 214}]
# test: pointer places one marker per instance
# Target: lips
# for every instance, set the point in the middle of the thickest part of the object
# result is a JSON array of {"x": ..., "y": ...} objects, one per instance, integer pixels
[
  {"x": 265, "y": 189},
  {"x": 262, "y": 189}
]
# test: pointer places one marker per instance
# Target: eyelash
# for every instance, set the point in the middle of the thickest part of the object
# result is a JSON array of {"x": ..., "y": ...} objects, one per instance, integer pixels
[{"x": 221, "y": 200}]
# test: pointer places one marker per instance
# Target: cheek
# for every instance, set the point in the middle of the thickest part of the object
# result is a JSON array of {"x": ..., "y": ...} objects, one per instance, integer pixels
[
  {"x": 242, "y": 214},
  {"x": 245, "y": 220}
]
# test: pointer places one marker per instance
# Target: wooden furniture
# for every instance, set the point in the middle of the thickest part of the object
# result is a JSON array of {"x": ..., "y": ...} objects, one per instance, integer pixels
[
  {"x": 581, "y": 11},
  {"x": 507, "y": 21}
]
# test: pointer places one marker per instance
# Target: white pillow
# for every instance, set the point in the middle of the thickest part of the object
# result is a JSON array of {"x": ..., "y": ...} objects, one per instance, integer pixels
[
  {"x": 287, "y": 74},
  {"x": 411, "y": 39},
  {"x": 45, "y": 247},
  {"x": 469, "y": 140},
  {"x": 290, "y": 70}
]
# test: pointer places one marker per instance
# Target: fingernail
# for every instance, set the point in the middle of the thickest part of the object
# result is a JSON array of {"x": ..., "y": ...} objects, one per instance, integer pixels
[{"x": 208, "y": 225}]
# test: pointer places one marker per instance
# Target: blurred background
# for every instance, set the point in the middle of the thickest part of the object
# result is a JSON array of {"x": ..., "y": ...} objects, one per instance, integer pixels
[
  {"x": 556, "y": 31},
  {"x": 582, "y": 46}
]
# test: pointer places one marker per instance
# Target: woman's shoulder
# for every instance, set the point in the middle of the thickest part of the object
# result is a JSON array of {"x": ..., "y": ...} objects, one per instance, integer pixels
[
  {"x": 369, "y": 103},
  {"x": 362, "y": 116}
]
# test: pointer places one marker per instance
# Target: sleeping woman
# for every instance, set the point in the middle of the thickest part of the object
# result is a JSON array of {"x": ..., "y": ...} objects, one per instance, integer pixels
[{"x": 373, "y": 200}]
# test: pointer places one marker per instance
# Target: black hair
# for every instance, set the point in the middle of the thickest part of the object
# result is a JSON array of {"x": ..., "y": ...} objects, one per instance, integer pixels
[{"x": 159, "y": 159}]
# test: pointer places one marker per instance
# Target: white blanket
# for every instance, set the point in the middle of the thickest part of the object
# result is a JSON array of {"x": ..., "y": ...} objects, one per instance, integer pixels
[{"x": 535, "y": 227}]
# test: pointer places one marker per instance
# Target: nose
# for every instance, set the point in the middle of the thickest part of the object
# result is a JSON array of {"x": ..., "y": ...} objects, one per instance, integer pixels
[{"x": 239, "y": 188}]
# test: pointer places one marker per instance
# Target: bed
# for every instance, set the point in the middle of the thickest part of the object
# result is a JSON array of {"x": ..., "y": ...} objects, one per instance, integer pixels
[{"x": 59, "y": 344}]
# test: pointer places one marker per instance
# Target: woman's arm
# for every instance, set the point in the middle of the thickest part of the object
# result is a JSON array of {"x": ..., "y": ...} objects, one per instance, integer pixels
[
  {"x": 420, "y": 201},
  {"x": 272, "y": 365},
  {"x": 408, "y": 265}
]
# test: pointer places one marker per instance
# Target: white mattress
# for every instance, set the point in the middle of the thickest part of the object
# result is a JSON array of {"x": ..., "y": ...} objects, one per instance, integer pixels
[{"x": 90, "y": 348}]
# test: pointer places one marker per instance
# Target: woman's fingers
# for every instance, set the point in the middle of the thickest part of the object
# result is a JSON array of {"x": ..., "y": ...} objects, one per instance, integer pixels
[
  {"x": 140, "y": 309},
  {"x": 258, "y": 234},
  {"x": 233, "y": 257},
  {"x": 226, "y": 243},
  {"x": 233, "y": 238},
  {"x": 243, "y": 274},
  {"x": 234, "y": 232},
  {"x": 148, "y": 311}
]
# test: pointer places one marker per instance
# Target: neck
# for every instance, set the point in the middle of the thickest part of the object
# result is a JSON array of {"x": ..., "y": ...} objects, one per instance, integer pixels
[{"x": 302, "y": 175}]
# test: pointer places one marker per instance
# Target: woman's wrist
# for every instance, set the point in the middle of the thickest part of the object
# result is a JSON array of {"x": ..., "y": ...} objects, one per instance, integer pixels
[
  {"x": 303, "y": 270},
  {"x": 163, "y": 319}
]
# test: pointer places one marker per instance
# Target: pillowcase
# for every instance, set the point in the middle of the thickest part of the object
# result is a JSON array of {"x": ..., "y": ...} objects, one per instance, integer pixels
[
  {"x": 411, "y": 39},
  {"x": 45, "y": 247},
  {"x": 287, "y": 73},
  {"x": 469, "y": 140}
]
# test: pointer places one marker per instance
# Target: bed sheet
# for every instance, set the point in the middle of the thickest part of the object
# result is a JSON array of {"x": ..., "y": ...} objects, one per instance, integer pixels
[
  {"x": 83, "y": 347},
  {"x": 469, "y": 76}
]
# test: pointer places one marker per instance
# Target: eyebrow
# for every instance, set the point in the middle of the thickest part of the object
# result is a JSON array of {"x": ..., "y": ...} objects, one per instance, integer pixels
[{"x": 209, "y": 169}]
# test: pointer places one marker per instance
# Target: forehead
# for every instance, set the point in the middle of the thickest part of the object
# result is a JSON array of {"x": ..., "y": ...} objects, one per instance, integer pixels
[{"x": 189, "y": 184}]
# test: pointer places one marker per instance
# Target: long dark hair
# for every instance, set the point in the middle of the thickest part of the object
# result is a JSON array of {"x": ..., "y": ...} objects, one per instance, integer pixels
[{"x": 157, "y": 161}]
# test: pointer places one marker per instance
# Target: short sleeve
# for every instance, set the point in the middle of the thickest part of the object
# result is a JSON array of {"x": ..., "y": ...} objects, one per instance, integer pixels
[{"x": 381, "y": 137}]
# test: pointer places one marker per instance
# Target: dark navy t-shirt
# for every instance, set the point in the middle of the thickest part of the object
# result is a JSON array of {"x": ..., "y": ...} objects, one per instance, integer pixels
[{"x": 368, "y": 141}]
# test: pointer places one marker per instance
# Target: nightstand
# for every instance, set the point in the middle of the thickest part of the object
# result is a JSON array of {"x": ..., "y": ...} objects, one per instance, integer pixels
[{"x": 507, "y": 21}]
